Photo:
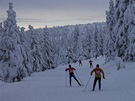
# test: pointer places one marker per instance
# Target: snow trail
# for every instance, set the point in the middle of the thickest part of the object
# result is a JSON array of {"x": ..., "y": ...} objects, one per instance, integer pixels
[{"x": 50, "y": 85}]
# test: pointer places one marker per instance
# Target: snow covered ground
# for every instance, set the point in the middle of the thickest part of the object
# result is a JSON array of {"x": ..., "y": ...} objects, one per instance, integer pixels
[{"x": 51, "y": 85}]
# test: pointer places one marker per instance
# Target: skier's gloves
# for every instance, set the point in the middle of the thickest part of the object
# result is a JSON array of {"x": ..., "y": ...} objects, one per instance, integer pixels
[
  {"x": 65, "y": 69},
  {"x": 103, "y": 77}
]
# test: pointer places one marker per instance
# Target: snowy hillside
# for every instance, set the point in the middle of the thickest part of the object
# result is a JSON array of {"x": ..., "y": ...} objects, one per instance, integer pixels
[{"x": 51, "y": 85}]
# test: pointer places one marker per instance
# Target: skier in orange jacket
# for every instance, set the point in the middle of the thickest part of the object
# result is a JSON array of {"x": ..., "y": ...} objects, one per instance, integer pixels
[
  {"x": 98, "y": 71},
  {"x": 71, "y": 74}
]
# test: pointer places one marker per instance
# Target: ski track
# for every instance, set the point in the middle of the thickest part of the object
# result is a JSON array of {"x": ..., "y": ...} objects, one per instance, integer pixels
[{"x": 51, "y": 85}]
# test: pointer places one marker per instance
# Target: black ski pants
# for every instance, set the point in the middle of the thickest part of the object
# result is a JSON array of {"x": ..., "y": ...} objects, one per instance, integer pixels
[{"x": 99, "y": 82}]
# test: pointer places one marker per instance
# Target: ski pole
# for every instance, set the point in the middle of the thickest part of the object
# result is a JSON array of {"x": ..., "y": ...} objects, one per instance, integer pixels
[
  {"x": 79, "y": 78},
  {"x": 66, "y": 79},
  {"x": 87, "y": 84}
]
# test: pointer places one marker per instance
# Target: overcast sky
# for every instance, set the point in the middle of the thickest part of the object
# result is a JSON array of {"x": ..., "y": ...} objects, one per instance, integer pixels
[{"x": 56, "y": 12}]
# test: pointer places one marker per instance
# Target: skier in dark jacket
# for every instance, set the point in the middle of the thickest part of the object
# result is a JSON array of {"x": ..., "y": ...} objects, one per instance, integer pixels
[
  {"x": 71, "y": 74},
  {"x": 80, "y": 63},
  {"x": 98, "y": 71},
  {"x": 91, "y": 63}
]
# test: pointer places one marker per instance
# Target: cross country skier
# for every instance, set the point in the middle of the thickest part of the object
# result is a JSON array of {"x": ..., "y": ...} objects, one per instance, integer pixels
[
  {"x": 80, "y": 63},
  {"x": 71, "y": 74},
  {"x": 98, "y": 72},
  {"x": 91, "y": 63}
]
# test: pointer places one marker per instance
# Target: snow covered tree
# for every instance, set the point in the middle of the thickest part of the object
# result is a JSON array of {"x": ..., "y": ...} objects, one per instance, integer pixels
[
  {"x": 75, "y": 43},
  {"x": 35, "y": 51},
  {"x": 11, "y": 58},
  {"x": 119, "y": 63},
  {"x": 87, "y": 43},
  {"x": 120, "y": 25},
  {"x": 111, "y": 36},
  {"x": 100, "y": 44},
  {"x": 0, "y": 28},
  {"x": 95, "y": 42},
  {"x": 73, "y": 47},
  {"x": 130, "y": 26},
  {"x": 120, "y": 29},
  {"x": 64, "y": 44},
  {"x": 47, "y": 50},
  {"x": 25, "y": 51}
]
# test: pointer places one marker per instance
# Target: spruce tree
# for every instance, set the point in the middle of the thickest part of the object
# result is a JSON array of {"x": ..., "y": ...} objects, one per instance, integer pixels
[
  {"x": 120, "y": 30},
  {"x": 129, "y": 25},
  {"x": 48, "y": 51},
  {"x": 10, "y": 47},
  {"x": 111, "y": 36}
]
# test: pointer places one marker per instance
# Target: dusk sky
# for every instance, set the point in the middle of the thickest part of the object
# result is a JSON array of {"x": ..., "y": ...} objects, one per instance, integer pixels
[{"x": 39, "y": 13}]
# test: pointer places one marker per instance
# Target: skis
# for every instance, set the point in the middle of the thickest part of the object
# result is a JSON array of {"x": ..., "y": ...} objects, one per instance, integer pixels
[
  {"x": 94, "y": 90},
  {"x": 76, "y": 86},
  {"x": 81, "y": 85}
]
